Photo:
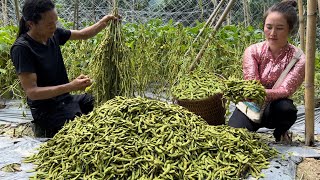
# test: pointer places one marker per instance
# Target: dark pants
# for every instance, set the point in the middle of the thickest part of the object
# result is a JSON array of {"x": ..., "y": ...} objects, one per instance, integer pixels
[
  {"x": 280, "y": 115},
  {"x": 50, "y": 118}
]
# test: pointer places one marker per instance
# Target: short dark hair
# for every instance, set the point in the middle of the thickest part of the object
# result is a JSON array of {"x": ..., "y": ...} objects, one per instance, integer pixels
[
  {"x": 31, "y": 11},
  {"x": 288, "y": 9}
]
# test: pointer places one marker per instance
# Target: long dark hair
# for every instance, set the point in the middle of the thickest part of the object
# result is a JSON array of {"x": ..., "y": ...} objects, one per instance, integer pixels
[
  {"x": 31, "y": 11},
  {"x": 288, "y": 9}
]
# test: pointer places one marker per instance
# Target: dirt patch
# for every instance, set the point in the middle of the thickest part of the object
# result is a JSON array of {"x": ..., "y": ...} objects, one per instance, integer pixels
[{"x": 309, "y": 169}]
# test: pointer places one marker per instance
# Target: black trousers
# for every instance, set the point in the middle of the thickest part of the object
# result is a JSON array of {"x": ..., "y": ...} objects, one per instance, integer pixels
[
  {"x": 280, "y": 115},
  {"x": 51, "y": 117}
]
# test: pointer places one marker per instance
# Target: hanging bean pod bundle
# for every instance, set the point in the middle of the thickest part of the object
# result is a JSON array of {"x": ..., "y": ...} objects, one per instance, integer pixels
[
  {"x": 140, "y": 138},
  {"x": 109, "y": 66}
]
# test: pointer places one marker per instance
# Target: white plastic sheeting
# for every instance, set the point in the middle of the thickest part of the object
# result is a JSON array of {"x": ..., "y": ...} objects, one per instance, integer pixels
[
  {"x": 13, "y": 150},
  {"x": 15, "y": 113}
]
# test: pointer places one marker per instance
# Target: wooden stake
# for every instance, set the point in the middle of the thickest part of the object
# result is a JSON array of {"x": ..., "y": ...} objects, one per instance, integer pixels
[
  {"x": 310, "y": 64},
  {"x": 217, "y": 26},
  {"x": 302, "y": 29}
]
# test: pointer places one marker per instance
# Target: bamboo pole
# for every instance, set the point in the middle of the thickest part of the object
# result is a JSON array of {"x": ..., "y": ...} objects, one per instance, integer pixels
[
  {"x": 211, "y": 19},
  {"x": 5, "y": 11},
  {"x": 76, "y": 15},
  {"x": 246, "y": 12},
  {"x": 310, "y": 64},
  {"x": 229, "y": 19},
  {"x": 16, "y": 6},
  {"x": 319, "y": 7},
  {"x": 217, "y": 13},
  {"x": 2, "y": 10},
  {"x": 217, "y": 26},
  {"x": 93, "y": 11},
  {"x": 200, "y": 5},
  {"x": 302, "y": 30},
  {"x": 214, "y": 2}
]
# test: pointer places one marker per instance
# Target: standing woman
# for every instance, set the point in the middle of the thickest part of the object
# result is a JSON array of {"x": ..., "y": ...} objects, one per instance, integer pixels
[
  {"x": 265, "y": 62},
  {"x": 38, "y": 61}
]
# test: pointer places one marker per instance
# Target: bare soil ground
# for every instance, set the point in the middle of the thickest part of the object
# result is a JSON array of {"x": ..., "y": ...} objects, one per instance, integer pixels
[{"x": 309, "y": 169}]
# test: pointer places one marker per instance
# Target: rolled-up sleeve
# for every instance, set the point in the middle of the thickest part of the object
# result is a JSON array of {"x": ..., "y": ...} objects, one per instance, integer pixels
[{"x": 250, "y": 64}]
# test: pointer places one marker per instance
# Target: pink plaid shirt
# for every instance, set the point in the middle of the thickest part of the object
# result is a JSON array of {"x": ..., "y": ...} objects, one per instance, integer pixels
[{"x": 259, "y": 64}]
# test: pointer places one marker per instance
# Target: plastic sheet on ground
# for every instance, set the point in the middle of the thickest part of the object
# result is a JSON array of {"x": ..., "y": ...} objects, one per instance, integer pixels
[
  {"x": 13, "y": 150},
  {"x": 15, "y": 113},
  {"x": 299, "y": 125}
]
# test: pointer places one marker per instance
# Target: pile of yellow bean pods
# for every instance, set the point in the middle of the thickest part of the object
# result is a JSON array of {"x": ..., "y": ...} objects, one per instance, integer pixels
[
  {"x": 197, "y": 85},
  {"x": 140, "y": 138},
  {"x": 237, "y": 90}
]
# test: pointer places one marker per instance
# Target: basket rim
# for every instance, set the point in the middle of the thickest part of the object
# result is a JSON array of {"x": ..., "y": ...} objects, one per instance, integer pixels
[{"x": 220, "y": 95}]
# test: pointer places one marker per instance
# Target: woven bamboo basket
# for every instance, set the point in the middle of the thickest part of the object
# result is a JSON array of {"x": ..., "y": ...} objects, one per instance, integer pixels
[{"x": 210, "y": 109}]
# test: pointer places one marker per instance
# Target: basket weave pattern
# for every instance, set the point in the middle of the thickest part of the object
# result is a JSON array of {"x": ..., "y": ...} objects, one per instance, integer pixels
[{"x": 210, "y": 109}]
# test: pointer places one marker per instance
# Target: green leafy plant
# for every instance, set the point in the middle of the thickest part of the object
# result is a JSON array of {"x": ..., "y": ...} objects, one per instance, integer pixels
[
  {"x": 156, "y": 53},
  {"x": 9, "y": 84}
]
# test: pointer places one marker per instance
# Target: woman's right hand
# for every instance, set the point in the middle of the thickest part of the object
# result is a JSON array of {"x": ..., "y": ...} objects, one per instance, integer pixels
[
  {"x": 80, "y": 83},
  {"x": 109, "y": 17}
]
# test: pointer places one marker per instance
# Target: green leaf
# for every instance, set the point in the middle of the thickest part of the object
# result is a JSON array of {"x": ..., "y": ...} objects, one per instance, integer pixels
[{"x": 3, "y": 71}]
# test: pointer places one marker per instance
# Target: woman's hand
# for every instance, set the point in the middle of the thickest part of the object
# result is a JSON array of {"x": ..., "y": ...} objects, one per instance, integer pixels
[
  {"x": 109, "y": 17},
  {"x": 94, "y": 29},
  {"x": 80, "y": 83}
]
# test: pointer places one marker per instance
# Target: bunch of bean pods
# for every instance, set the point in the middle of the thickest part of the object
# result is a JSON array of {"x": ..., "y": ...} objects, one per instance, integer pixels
[
  {"x": 237, "y": 90},
  {"x": 109, "y": 66},
  {"x": 197, "y": 85},
  {"x": 139, "y": 138}
]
